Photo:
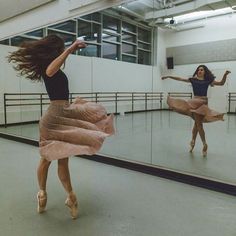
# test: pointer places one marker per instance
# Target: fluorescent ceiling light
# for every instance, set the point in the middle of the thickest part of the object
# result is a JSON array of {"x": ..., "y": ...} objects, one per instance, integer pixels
[{"x": 200, "y": 15}]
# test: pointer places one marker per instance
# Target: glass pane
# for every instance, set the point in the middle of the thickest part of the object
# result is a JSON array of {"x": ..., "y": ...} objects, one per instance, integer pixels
[
  {"x": 144, "y": 57},
  {"x": 144, "y": 46},
  {"x": 144, "y": 35},
  {"x": 89, "y": 31},
  {"x": 127, "y": 48},
  {"x": 16, "y": 41},
  {"x": 90, "y": 50},
  {"x": 108, "y": 37},
  {"x": 110, "y": 51},
  {"x": 110, "y": 23},
  {"x": 128, "y": 58},
  {"x": 5, "y": 42},
  {"x": 93, "y": 17},
  {"x": 36, "y": 33},
  {"x": 128, "y": 37},
  {"x": 68, "y": 38},
  {"x": 65, "y": 26},
  {"x": 128, "y": 27}
]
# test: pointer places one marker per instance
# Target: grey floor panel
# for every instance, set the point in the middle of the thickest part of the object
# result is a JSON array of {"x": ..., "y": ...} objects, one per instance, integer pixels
[{"x": 113, "y": 201}]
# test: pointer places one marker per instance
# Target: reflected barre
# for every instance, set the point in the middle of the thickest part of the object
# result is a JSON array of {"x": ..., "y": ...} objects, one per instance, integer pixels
[
  {"x": 232, "y": 103},
  {"x": 115, "y": 102}
]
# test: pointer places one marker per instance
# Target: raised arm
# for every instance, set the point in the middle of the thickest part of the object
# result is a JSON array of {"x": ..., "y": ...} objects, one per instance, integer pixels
[
  {"x": 56, "y": 64},
  {"x": 175, "y": 78},
  {"x": 222, "y": 82}
]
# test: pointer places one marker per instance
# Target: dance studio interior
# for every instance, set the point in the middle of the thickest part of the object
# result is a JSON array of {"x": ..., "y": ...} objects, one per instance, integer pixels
[{"x": 144, "y": 180}]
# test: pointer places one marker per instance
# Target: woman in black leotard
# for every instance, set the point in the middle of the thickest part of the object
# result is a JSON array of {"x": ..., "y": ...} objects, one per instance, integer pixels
[
  {"x": 65, "y": 129},
  {"x": 197, "y": 108}
]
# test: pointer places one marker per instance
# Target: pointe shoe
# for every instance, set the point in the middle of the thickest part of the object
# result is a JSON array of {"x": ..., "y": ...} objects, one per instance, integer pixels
[
  {"x": 204, "y": 150},
  {"x": 71, "y": 202},
  {"x": 192, "y": 144},
  {"x": 42, "y": 201}
]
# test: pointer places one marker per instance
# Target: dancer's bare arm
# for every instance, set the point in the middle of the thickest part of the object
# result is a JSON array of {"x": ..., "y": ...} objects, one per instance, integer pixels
[
  {"x": 56, "y": 64},
  {"x": 175, "y": 78},
  {"x": 223, "y": 80}
]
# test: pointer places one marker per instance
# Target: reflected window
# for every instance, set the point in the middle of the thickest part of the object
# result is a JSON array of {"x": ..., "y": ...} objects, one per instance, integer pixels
[
  {"x": 144, "y": 57},
  {"x": 16, "y": 41},
  {"x": 89, "y": 32},
  {"x": 90, "y": 51},
  {"x": 68, "y": 26},
  {"x": 111, "y": 51}
]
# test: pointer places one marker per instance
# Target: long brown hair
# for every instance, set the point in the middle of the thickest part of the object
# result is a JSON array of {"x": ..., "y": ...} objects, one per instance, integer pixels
[
  {"x": 32, "y": 58},
  {"x": 208, "y": 74}
]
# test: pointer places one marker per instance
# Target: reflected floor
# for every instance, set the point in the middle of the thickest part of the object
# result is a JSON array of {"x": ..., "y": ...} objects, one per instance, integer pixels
[{"x": 162, "y": 138}]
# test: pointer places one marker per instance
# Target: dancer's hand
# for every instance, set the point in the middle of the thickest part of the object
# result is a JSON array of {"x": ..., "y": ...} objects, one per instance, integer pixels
[
  {"x": 76, "y": 45},
  {"x": 164, "y": 77},
  {"x": 227, "y": 72}
]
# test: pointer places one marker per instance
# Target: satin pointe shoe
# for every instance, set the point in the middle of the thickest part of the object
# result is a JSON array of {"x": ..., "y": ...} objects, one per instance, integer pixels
[
  {"x": 42, "y": 201},
  {"x": 72, "y": 204},
  {"x": 192, "y": 144},
  {"x": 204, "y": 150}
]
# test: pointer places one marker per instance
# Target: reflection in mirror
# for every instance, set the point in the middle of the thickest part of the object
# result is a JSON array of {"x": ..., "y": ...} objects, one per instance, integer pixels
[{"x": 130, "y": 47}]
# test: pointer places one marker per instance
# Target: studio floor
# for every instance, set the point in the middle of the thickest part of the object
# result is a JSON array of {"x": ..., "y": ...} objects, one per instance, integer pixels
[{"x": 113, "y": 201}]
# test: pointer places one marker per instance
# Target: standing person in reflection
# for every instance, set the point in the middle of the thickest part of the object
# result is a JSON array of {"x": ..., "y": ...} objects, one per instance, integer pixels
[
  {"x": 197, "y": 108},
  {"x": 65, "y": 129}
]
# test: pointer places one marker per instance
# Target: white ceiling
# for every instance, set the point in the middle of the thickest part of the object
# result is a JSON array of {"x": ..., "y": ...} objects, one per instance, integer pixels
[
  {"x": 10, "y": 8},
  {"x": 158, "y": 10}
]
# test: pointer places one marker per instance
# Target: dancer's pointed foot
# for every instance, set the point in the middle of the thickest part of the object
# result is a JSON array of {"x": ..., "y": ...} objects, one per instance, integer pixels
[
  {"x": 42, "y": 201},
  {"x": 71, "y": 202},
  {"x": 192, "y": 144},
  {"x": 204, "y": 149}
]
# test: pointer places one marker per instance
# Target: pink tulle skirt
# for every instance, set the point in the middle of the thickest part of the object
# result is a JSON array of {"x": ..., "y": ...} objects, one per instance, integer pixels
[
  {"x": 79, "y": 128},
  {"x": 196, "y": 105}
]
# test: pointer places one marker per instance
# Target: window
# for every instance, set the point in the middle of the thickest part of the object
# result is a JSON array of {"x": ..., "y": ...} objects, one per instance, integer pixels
[
  {"x": 106, "y": 33},
  {"x": 111, "y": 51},
  {"x": 16, "y": 41},
  {"x": 68, "y": 26},
  {"x": 90, "y": 50},
  {"x": 68, "y": 38},
  {"x": 5, "y": 42},
  {"x": 89, "y": 32},
  {"x": 36, "y": 33}
]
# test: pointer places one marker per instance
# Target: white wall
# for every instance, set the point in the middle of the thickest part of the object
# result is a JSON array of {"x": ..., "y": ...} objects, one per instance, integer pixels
[
  {"x": 219, "y": 28},
  {"x": 86, "y": 74}
]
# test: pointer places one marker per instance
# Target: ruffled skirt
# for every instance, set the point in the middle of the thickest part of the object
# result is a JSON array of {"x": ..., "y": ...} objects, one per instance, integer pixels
[
  {"x": 196, "y": 105},
  {"x": 79, "y": 128}
]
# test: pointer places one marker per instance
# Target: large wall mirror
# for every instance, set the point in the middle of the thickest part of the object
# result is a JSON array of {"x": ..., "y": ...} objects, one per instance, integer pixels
[{"x": 128, "y": 47}]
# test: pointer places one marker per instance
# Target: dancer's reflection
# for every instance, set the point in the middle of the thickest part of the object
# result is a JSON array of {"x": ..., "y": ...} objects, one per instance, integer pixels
[
  {"x": 197, "y": 107},
  {"x": 65, "y": 129}
]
